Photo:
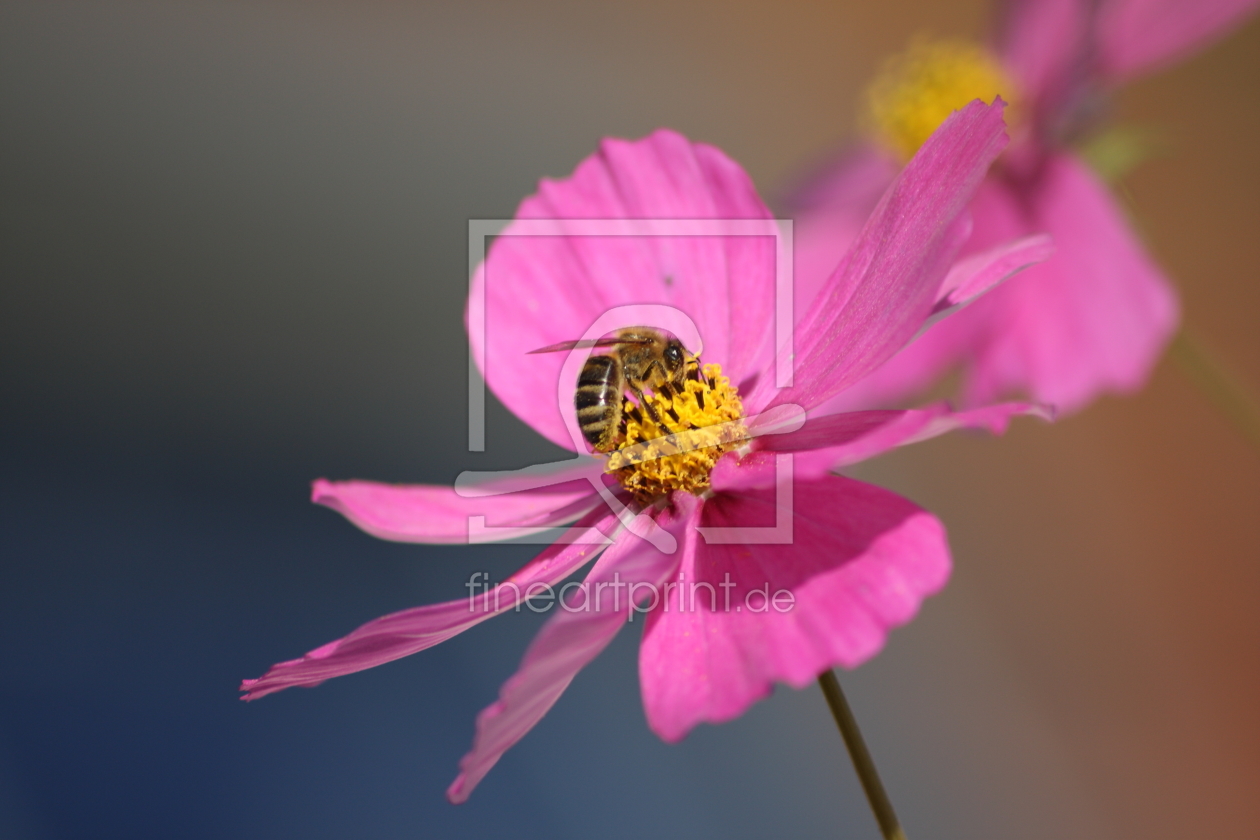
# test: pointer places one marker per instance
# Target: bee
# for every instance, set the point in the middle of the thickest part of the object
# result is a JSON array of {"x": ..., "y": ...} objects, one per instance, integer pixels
[{"x": 638, "y": 358}]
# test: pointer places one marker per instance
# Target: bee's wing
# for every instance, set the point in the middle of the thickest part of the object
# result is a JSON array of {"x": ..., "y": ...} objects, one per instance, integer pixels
[{"x": 587, "y": 342}]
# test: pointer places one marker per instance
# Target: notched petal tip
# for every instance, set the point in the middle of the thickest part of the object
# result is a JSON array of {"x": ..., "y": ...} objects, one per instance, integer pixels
[
  {"x": 456, "y": 794},
  {"x": 320, "y": 491}
]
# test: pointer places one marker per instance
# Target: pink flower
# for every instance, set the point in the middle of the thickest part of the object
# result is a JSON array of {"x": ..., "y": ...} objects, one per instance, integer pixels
[
  {"x": 857, "y": 560},
  {"x": 1097, "y": 316}
]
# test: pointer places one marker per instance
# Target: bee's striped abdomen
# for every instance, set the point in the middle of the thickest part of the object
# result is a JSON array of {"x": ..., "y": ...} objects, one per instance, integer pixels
[{"x": 598, "y": 401}]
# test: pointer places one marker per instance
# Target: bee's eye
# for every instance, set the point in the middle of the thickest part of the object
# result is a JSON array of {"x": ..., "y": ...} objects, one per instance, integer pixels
[{"x": 673, "y": 355}]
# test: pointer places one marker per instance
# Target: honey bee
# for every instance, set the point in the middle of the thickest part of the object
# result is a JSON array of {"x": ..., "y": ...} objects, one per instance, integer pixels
[{"x": 639, "y": 358}]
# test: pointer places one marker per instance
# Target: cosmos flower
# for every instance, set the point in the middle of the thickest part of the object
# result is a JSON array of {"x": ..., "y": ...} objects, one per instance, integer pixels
[
  {"x": 718, "y": 516},
  {"x": 1098, "y": 315}
]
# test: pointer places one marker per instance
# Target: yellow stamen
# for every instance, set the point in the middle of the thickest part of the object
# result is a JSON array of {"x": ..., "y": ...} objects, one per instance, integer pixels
[
  {"x": 699, "y": 421},
  {"x": 919, "y": 88}
]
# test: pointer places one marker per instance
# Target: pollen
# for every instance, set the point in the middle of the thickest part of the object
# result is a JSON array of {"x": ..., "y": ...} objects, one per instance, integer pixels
[
  {"x": 918, "y": 89},
  {"x": 674, "y": 444}
]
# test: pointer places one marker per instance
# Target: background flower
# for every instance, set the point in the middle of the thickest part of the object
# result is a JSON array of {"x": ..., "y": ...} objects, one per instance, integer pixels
[{"x": 1096, "y": 317}]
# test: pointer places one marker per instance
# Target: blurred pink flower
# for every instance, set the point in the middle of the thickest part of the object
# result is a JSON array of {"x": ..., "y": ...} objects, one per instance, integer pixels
[
  {"x": 1097, "y": 316},
  {"x": 860, "y": 558}
]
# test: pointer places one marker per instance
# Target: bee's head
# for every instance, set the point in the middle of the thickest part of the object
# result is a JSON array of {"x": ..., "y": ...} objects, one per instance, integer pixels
[{"x": 675, "y": 358}]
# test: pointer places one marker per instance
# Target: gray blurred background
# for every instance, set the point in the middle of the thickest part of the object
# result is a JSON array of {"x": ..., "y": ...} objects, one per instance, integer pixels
[{"x": 233, "y": 251}]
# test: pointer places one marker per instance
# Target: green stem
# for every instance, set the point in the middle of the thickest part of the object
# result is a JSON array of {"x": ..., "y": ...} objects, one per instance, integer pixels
[
  {"x": 861, "y": 756},
  {"x": 1221, "y": 386}
]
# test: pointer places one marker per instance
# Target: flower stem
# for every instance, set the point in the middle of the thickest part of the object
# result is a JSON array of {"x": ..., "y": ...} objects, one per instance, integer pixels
[
  {"x": 1220, "y": 385},
  {"x": 861, "y": 756}
]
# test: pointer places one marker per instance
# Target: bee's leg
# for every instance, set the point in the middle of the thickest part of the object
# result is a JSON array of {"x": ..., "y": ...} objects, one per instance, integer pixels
[
  {"x": 651, "y": 412},
  {"x": 671, "y": 385},
  {"x": 652, "y": 372},
  {"x": 646, "y": 406}
]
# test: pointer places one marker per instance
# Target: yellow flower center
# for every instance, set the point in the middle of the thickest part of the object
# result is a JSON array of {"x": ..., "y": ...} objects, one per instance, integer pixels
[
  {"x": 694, "y": 424},
  {"x": 918, "y": 89}
]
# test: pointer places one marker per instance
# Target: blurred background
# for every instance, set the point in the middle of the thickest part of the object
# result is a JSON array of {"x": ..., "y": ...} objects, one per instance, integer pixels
[{"x": 234, "y": 260}]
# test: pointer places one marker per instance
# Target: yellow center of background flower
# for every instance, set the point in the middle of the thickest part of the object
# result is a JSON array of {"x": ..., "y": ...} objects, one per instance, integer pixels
[
  {"x": 699, "y": 421},
  {"x": 918, "y": 89}
]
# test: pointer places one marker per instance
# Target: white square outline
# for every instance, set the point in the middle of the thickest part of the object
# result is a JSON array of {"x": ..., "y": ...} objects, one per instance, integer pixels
[{"x": 479, "y": 230}]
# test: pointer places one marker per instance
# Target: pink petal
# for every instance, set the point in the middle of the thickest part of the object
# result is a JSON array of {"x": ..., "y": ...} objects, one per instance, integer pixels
[
  {"x": 844, "y": 439},
  {"x": 845, "y": 429},
  {"x": 921, "y": 363},
  {"x": 930, "y": 355},
  {"x": 823, "y": 232},
  {"x": 980, "y": 273},
  {"x": 1137, "y": 36},
  {"x": 861, "y": 561},
  {"x": 1095, "y": 318},
  {"x": 838, "y": 439},
  {"x": 830, "y": 442},
  {"x": 876, "y": 301},
  {"x": 568, "y": 641},
  {"x": 429, "y": 514},
  {"x": 410, "y": 631},
  {"x": 999, "y": 219},
  {"x": 993, "y": 419},
  {"x": 540, "y": 290}
]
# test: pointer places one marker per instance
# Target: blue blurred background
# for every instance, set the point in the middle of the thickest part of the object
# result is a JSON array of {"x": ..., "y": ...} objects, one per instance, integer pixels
[{"x": 233, "y": 244}]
